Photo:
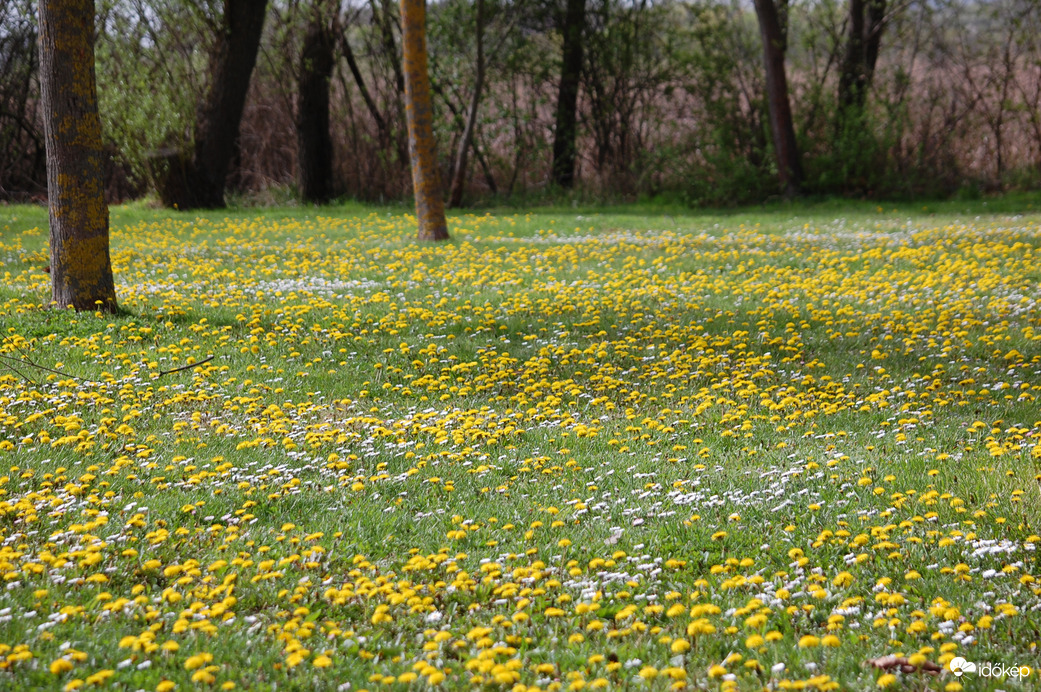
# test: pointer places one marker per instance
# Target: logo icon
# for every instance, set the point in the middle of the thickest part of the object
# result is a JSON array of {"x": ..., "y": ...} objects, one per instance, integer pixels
[{"x": 959, "y": 665}]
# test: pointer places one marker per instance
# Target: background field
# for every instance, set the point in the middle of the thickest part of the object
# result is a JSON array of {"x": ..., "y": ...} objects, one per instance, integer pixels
[{"x": 576, "y": 448}]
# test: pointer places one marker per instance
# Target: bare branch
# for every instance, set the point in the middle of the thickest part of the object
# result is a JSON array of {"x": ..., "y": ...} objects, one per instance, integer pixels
[
  {"x": 185, "y": 367},
  {"x": 17, "y": 371}
]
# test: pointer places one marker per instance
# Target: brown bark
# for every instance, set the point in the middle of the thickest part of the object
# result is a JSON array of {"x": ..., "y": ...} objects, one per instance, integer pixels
[
  {"x": 426, "y": 180},
  {"x": 455, "y": 196},
  {"x": 197, "y": 181},
  {"x": 564, "y": 134},
  {"x": 866, "y": 24},
  {"x": 314, "y": 143},
  {"x": 772, "y": 29},
  {"x": 80, "y": 268}
]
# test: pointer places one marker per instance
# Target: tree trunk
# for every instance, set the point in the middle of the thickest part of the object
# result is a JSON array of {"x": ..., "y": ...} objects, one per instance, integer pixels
[
  {"x": 866, "y": 24},
  {"x": 81, "y": 270},
  {"x": 774, "y": 36},
  {"x": 876, "y": 25},
  {"x": 564, "y": 153},
  {"x": 426, "y": 181},
  {"x": 314, "y": 144},
  {"x": 455, "y": 197},
  {"x": 217, "y": 117}
]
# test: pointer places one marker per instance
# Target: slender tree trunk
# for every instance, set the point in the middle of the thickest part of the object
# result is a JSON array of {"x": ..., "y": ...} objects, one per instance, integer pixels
[
  {"x": 774, "y": 36},
  {"x": 564, "y": 135},
  {"x": 390, "y": 48},
  {"x": 489, "y": 179},
  {"x": 455, "y": 197},
  {"x": 314, "y": 144},
  {"x": 426, "y": 180},
  {"x": 359, "y": 80},
  {"x": 81, "y": 270}
]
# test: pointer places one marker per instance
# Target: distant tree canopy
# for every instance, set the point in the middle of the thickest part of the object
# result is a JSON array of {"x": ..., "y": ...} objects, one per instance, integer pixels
[{"x": 616, "y": 98}]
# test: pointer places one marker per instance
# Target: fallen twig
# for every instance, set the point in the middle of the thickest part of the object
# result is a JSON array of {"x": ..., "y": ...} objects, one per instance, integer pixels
[
  {"x": 185, "y": 367},
  {"x": 25, "y": 361},
  {"x": 17, "y": 371}
]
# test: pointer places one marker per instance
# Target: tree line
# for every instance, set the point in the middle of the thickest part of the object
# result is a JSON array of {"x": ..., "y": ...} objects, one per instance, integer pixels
[
  {"x": 626, "y": 98},
  {"x": 718, "y": 101}
]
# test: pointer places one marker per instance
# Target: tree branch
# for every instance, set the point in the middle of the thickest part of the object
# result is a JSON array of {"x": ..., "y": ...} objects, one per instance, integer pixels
[{"x": 185, "y": 367}]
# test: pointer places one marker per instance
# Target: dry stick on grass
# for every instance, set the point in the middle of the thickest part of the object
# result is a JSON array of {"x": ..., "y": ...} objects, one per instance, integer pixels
[
  {"x": 17, "y": 371},
  {"x": 25, "y": 360},
  {"x": 185, "y": 367}
]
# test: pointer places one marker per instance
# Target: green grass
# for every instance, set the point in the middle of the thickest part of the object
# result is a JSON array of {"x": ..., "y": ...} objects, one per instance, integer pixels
[{"x": 808, "y": 432}]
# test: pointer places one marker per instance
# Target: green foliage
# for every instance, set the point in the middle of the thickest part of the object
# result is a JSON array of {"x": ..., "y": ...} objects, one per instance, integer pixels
[
  {"x": 854, "y": 160},
  {"x": 732, "y": 160},
  {"x": 150, "y": 71}
]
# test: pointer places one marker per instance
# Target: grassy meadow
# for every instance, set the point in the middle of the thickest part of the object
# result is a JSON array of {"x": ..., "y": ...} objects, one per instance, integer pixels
[{"x": 786, "y": 448}]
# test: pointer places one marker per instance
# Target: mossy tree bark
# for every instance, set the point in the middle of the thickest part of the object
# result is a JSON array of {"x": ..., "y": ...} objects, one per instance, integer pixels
[
  {"x": 81, "y": 268},
  {"x": 426, "y": 179}
]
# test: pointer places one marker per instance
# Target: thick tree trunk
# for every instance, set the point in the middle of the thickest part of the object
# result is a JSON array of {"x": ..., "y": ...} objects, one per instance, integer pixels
[
  {"x": 455, "y": 197},
  {"x": 851, "y": 74},
  {"x": 219, "y": 115},
  {"x": 198, "y": 181},
  {"x": 314, "y": 144},
  {"x": 866, "y": 24},
  {"x": 774, "y": 36},
  {"x": 426, "y": 180},
  {"x": 564, "y": 135},
  {"x": 876, "y": 25},
  {"x": 81, "y": 270}
]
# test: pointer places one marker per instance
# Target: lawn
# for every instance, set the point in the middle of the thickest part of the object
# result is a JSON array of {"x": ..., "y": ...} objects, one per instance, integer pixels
[{"x": 781, "y": 448}]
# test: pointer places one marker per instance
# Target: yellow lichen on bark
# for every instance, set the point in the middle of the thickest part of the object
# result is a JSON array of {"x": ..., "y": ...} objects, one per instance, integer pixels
[
  {"x": 81, "y": 268},
  {"x": 426, "y": 180}
]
